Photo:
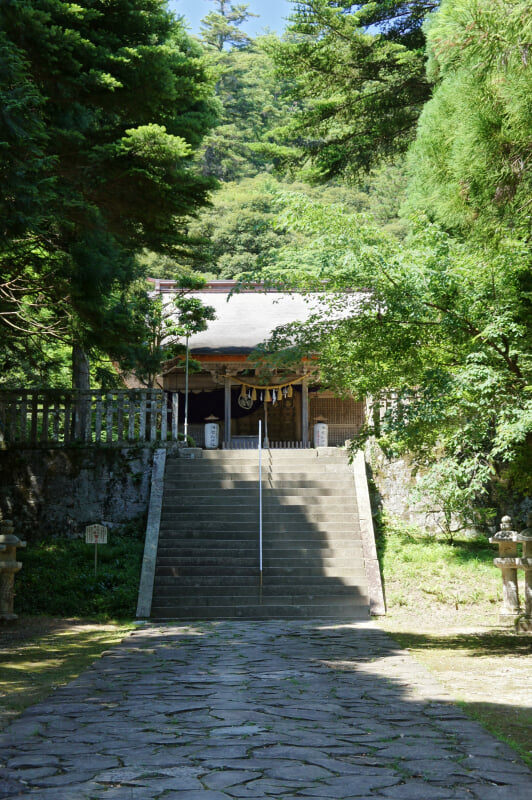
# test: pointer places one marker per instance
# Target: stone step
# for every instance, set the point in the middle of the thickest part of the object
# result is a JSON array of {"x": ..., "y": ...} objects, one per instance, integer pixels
[
  {"x": 303, "y": 459},
  {"x": 182, "y": 583},
  {"x": 252, "y": 468},
  {"x": 282, "y": 570},
  {"x": 317, "y": 478},
  {"x": 350, "y": 612},
  {"x": 292, "y": 515},
  {"x": 194, "y": 529},
  {"x": 251, "y": 487},
  {"x": 212, "y": 594},
  {"x": 236, "y": 549},
  {"x": 270, "y": 500},
  {"x": 292, "y": 550},
  {"x": 277, "y": 453},
  {"x": 239, "y": 511},
  {"x": 274, "y": 535},
  {"x": 273, "y": 562},
  {"x": 252, "y": 457},
  {"x": 285, "y": 598},
  {"x": 353, "y": 553},
  {"x": 250, "y": 494},
  {"x": 318, "y": 542}
]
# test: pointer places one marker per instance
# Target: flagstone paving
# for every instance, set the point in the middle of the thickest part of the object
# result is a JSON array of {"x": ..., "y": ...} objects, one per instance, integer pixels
[{"x": 277, "y": 710}]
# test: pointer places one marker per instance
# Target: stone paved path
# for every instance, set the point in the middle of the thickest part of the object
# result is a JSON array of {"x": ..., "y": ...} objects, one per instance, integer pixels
[{"x": 275, "y": 710}]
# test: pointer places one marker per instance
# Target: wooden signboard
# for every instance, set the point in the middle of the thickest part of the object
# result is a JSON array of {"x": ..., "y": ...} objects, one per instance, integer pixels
[{"x": 96, "y": 534}]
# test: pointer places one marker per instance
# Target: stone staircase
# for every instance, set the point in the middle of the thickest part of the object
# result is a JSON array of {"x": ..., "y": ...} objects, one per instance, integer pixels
[{"x": 208, "y": 552}]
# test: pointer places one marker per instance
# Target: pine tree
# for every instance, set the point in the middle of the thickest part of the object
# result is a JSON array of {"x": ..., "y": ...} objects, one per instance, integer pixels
[{"x": 222, "y": 27}]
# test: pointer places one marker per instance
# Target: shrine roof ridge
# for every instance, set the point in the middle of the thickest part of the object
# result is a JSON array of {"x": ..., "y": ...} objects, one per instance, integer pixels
[{"x": 168, "y": 285}]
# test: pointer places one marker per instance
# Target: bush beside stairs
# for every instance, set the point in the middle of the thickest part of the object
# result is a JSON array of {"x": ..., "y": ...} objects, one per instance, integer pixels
[{"x": 207, "y": 564}]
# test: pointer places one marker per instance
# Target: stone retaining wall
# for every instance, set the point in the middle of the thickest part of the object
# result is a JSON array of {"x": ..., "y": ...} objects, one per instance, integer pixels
[
  {"x": 57, "y": 492},
  {"x": 392, "y": 481}
]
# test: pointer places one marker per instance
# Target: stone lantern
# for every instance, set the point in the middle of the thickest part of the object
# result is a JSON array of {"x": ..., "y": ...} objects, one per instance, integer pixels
[
  {"x": 8, "y": 566},
  {"x": 509, "y": 562},
  {"x": 526, "y": 564}
]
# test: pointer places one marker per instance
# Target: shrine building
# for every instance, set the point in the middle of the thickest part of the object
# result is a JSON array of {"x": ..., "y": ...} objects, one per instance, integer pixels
[{"x": 232, "y": 390}]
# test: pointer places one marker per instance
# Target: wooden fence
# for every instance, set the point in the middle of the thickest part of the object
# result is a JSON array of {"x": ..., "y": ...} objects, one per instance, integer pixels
[{"x": 61, "y": 417}]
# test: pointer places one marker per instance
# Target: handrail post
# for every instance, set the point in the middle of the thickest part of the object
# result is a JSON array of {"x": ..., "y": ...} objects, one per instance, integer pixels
[
  {"x": 260, "y": 511},
  {"x": 186, "y": 395}
]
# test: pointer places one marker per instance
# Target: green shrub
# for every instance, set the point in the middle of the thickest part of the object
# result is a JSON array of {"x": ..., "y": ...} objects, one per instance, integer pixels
[{"x": 57, "y": 576}]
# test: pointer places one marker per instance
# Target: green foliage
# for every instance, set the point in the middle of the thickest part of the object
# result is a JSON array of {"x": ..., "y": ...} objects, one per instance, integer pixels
[
  {"x": 252, "y": 106},
  {"x": 104, "y": 104},
  {"x": 240, "y": 86},
  {"x": 58, "y": 578},
  {"x": 357, "y": 80},
  {"x": 222, "y": 27},
  {"x": 169, "y": 321},
  {"x": 238, "y": 230},
  {"x": 192, "y": 315},
  {"x": 470, "y": 163},
  {"x": 436, "y": 333},
  {"x": 452, "y": 492},
  {"x": 241, "y": 232}
]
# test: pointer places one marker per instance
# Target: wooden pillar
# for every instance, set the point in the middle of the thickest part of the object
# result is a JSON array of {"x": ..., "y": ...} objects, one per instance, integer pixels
[
  {"x": 227, "y": 410},
  {"x": 304, "y": 411}
]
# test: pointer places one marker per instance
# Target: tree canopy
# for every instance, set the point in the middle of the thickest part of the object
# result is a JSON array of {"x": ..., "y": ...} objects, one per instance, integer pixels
[
  {"x": 430, "y": 328},
  {"x": 470, "y": 163},
  {"x": 250, "y": 97},
  {"x": 439, "y": 326},
  {"x": 357, "y": 79},
  {"x": 222, "y": 26},
  {"x": 241, "y": 232},
  {"x": 103, "y": 105}
]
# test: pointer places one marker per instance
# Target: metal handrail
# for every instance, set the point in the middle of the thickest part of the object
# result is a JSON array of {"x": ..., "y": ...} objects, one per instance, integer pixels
[{"x": 260, "y": 511}]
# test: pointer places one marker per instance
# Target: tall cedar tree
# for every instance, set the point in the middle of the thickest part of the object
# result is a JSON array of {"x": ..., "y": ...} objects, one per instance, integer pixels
[
  {"x": 470, "y": 165},
  {"x": 358, "y": 73},
  {"x": 104, "y": 102}
]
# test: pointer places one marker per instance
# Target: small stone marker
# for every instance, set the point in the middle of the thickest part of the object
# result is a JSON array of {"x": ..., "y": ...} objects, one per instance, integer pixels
[{"x": 96, "y": 534}]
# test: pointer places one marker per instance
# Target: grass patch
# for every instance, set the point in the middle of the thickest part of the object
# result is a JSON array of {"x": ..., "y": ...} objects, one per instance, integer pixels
[
  {"x": 419, "y": 567},
  {"x": 32, "y": 665},
  {"x": 443, "y": 603},
  {"x": 57, "y": 576}
]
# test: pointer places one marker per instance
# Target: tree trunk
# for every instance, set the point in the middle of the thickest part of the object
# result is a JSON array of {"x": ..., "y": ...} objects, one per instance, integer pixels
[
  {"x": 80, "y": 381},
  {"x": 80, "y": 368}
]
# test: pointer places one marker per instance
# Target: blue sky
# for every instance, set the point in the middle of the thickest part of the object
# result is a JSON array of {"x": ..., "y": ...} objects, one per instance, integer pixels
[{"x": 272, "y": 13}]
